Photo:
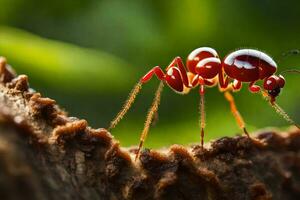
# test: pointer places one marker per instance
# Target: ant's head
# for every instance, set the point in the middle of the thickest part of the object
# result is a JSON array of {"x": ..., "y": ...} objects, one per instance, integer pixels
[{"x": 273, "y": 85}]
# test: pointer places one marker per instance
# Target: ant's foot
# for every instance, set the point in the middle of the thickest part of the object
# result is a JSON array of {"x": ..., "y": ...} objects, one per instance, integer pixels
[
  {"x": 255, "y": 141},
  {"x": 258, "y": 142}
]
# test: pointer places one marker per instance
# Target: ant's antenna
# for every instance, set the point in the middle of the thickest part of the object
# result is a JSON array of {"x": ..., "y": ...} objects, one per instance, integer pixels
[
  {"x": 288, "y": 53},
  {"x": 282, "y": 113},
  {"x": 290, "y": 71},
  {"x": 279, "y": 110}
]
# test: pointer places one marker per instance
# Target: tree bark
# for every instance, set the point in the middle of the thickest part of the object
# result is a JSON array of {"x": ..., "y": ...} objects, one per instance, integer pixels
[{"x": 44, "y": 154}]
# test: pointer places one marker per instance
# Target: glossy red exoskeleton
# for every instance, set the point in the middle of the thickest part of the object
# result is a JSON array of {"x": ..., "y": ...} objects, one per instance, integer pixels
[{"x": 205, "y": 69}]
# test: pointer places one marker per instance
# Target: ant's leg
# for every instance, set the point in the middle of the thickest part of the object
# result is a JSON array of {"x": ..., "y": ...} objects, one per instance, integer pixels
[
  {"x": 236, "y": 85},
  {"x": 254, "y": 88},
  {"x": 155, "y": 70},
  {"x": 235, "y": 112},
  {"x": 130, "y": 100},
  {"x": 178, "y": 61},
  {"x": 211, "y": 82},
  {"x": 126, "y": 106},
  {"x": 223, "y": 82},
  {"x": 151, "y": 113},
  {"x": 202, "y": 113},
  {"x": 174, "y": 80}
]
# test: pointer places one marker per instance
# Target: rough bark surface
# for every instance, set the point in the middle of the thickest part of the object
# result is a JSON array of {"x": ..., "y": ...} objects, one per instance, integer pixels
[{"x": 44, "y": 154}]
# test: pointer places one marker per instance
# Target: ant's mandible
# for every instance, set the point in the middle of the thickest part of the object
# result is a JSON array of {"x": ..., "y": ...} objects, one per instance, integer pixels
[{"x": 205, "y": 69}]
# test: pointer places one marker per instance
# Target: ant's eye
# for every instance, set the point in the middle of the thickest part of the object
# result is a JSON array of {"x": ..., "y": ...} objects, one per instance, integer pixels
[
  {"x": 270, "y": 83},
  {"x": 275, "y": 92}
]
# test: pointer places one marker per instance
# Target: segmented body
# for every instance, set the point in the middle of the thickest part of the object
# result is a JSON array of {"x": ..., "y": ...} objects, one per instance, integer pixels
[{"x": 204, "y": 67}]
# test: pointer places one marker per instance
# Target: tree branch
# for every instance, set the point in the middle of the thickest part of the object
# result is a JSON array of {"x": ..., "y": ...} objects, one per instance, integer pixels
[{"x": 44, "y": 154}]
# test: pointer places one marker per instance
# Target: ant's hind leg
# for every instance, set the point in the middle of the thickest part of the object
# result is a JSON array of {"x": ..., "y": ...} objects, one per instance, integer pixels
[
  {"x": 151, "y": 113},
  {"x": 132, "y": 96},
  {"x": 126, "y": 106}
]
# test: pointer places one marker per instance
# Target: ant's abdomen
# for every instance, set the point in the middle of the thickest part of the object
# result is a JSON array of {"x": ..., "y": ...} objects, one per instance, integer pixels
[{"x": 249, "y": 65}]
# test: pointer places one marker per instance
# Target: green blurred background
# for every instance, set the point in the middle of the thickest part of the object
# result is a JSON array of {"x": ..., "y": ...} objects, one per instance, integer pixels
[{"x": 88, "y": 54}]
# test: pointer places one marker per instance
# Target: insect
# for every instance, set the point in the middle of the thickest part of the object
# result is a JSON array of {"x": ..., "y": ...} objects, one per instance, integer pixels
[{"x": 205, "y": 69}]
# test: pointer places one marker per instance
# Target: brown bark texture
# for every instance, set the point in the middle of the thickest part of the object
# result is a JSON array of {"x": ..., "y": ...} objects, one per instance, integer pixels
[{"x": 44, "y": 154}]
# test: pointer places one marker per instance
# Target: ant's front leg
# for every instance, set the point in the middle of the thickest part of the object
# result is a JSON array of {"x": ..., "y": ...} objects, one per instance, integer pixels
[{"x": 239, "y": 119}]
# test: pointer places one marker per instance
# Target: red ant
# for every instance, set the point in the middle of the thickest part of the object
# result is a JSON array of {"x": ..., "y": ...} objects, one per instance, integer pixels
[{"x": 206, "y": 69}]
